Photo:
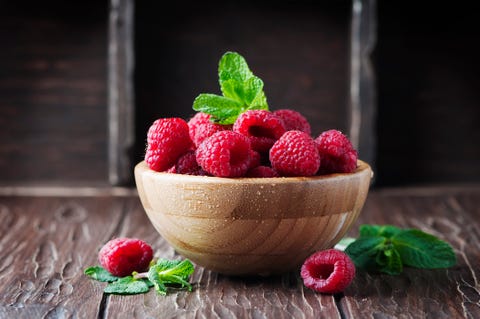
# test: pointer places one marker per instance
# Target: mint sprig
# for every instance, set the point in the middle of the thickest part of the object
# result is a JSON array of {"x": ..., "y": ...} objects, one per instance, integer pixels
[
  {"x": 162, "y": 274},
  {"x": 241, "y": 91},
  {"x": 387, "y": 249}
]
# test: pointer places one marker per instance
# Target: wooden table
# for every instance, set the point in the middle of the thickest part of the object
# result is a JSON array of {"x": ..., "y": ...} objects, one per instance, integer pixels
[{"x": 49, "y": 236}]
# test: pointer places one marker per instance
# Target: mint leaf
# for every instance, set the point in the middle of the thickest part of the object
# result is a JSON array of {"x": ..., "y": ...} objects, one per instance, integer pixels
[
  {"x": 223, "y": 110},
  {"x": 388, "y": 249},
  {"x": 386, "y": 231},
  {"x": 241, "y": 90},
  {"x": 170, "y": 272},
  {"x": 422, "y": 250},
  {"x": 364, "y": 251},
  {"x": 127, "y": 286},
  {"x": 100, "y": 274},
  {"x": 389, "y": 261}
]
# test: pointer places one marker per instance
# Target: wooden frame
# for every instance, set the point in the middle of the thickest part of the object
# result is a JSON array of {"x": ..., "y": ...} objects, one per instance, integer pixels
[{"x": 362, "y": 102}]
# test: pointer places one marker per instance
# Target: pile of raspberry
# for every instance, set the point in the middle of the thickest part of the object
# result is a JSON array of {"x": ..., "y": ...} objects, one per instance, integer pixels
[{"x": 260, "y": 143}]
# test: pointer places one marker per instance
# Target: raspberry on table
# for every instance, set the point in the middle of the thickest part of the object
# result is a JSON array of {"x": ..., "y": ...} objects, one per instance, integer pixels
[
  {"x": 329, "y": 271},
  {"x": 293, "y": 120},
  {"x": 200, "y": 127},
  {"x": 336, "y": 152},
  {"x": 225, "y": 154},
  {"x": 122, "y": 256},
  {"x": 167, "y": 140},
  {"x": 295, "y": 154},
  {"x": 262, "y": 127}
]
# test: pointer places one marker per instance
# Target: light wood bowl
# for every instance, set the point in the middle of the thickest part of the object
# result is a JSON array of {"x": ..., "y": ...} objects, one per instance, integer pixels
[{"x": 244, "y": 226}]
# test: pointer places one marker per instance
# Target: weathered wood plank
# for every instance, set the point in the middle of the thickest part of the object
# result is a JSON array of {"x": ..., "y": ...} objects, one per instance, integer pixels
[
  {"x": 53, "y": 93},
  {"x": 46, "y": 242},
  {"x": 45, "y": 245},
  {"x": 443, "y": 293}
]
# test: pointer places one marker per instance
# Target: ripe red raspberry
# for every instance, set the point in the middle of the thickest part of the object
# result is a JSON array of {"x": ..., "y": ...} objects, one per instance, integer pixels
[
  {"x": 293, "y": 120},
  {"x": 295, "y": 154},
  {"x": 262, "y": 127},
  {"x": 200, "y": 127},
  {"x": 187, "y": 164},
  {"x": 225, "y": 154},
  {"x": 167, "y": 140},
  {"x": 255, "y": 159},
  {"x": 122, "y": 256},
  {"x": 336, "y": 152},
  {"x": 262, "y": 171},
  {"x": 329, "y": 271}
]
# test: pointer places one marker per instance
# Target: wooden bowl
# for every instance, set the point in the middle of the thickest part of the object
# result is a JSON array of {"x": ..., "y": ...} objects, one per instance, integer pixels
[{"x": 243, "y": 226}]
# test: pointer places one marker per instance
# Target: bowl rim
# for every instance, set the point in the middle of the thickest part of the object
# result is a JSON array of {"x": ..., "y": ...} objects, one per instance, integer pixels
[{"x": 142, "y": 167}]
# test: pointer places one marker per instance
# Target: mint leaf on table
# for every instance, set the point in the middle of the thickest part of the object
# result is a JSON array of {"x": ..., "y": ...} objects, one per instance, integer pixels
[
  {"x": 128, "y": 286},
  {"x": 379, "y": 230},
  {"x": 241, "y": 90},
  {"x": 388, "y": 249},
  {"x": 422, "y": 250},
  {"x": 100, "y": 274},
  {"x": 170, "y": 272}
]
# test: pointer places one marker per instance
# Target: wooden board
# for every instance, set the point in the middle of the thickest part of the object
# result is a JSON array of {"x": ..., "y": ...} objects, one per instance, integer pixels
[
  {"x": 53, "y": 114},
  {"x": 46, "y": 242}
]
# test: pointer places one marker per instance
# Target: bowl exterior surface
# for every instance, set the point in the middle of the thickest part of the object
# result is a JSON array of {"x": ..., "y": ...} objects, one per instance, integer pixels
[{"x": 243, "y": 226}]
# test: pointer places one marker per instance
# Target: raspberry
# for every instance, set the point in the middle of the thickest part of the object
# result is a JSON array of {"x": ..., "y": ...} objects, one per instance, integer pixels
[
  {"x": 336, "y": 152},
  {"x": 293, "y": 120},
  {"x": 167, "y": 140},
  {"x": 255, "y": 159},
  {"x": 262, "y": 127},
  {"x": 295, "y": 154},
  {"x": 187, "y": 164},
  {"x": 122, "y": 256},
  {"x": 200, "y": 127},
  {"x": 328, "y": 271},
  {"x": 225, "y": 154},
  {"x": 262, "y": 171}
]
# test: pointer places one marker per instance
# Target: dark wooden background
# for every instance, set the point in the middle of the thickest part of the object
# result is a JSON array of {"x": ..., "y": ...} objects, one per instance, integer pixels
[{"x": 53, "y": 80}]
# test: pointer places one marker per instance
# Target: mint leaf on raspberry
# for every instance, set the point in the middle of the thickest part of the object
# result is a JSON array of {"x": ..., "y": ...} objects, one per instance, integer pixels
[
  {"x": 223, "y": 110},
  {"x": 387, "y": 249},
  {"x": 100, "y": 274},
  {"x": 241, "y": 90},
  {"x": 238, "y": 82}
]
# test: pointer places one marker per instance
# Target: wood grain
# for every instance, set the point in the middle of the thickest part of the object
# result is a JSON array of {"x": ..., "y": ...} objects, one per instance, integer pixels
[
  {"x": 45, "y": 243},
  {"x": 53, "y": 93},
  {"x": 245, "y": 226},
  {"x": 443, "y": 293}
]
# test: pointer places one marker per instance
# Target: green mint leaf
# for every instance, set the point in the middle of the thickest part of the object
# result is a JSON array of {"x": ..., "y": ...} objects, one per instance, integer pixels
[
  {"x": 100, "y": 274},
  {"x": 422, "y": 250},
  {"x": 170, "y": 272},
  {"x": 239, "y": 83},
  {"x": 386, "y": 231},
  {"x": 233, "y": 66},
  {"x": 241, "y": 91},
  {"x": 389, "y": 261},
  {"x": 222, "y": 109},
  {"x": 128, "y": 286},
  {"x": 364, "y": 251},
  {"x": 375, "y": 254}
]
